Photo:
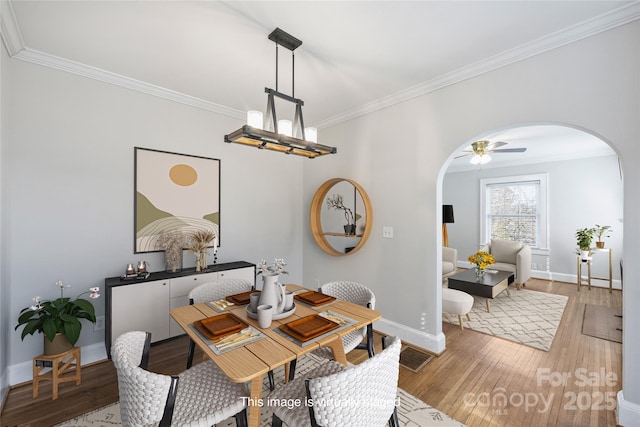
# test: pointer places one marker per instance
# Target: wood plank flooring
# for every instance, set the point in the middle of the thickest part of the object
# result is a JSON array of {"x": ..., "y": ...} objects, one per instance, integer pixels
[{"x": 469, "y": 381}]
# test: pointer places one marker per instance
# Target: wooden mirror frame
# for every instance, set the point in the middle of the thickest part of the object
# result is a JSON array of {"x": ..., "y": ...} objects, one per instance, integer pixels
[{"x": 316, "y": 223}]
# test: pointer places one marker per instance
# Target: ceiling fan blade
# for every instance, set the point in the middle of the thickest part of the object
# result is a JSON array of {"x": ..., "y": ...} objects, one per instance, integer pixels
[
  {"x": 464, "y": 155},
  {"x": 510, "y": 150},
  {"x": 495, "y": 144}
]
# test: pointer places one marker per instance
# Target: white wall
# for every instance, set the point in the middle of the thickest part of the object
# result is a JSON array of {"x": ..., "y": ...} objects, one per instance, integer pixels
[
  {"x": 581, "y": 193},
  {"x": 4, "y": 284},
  {"x": 400, "y": 155},
  {"x": 69, "y": 188}
]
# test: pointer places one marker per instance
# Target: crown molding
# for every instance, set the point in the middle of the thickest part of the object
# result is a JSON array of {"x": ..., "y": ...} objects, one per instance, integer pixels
[
  {"x": 9, "y": 30},
  {"x": 620, "y": 16},
  {"x": 12, "y": 37},
  {"x": 14, "y": 43},
  {"x": 63, "y": 64}
]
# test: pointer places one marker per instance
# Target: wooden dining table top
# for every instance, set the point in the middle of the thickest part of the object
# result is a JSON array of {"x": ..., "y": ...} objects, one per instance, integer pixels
[{"x": 252, "y": 361}]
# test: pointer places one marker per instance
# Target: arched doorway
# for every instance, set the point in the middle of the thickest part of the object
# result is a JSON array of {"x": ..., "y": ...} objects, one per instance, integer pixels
[{"x": 584, "y": 183}]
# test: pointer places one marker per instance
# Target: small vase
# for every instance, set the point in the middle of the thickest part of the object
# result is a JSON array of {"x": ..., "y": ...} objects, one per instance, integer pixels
[
  {"x": 479, "y": 272},
  {"x": 174, "y": 268},
  {"x": 197, "y": 254},
  {"x": 60, "y": 344},
  {"x": 600, "y": 245},
  {"x": 203, "y": 260},
  {"x": 350, "y": 229}
]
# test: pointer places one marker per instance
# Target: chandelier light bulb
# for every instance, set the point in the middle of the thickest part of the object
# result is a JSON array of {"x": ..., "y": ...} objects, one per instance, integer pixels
[
  {"x": 285, "y": 127},
  {"x": 311, "y": 134},
  {"x": 254, "y": 119}
]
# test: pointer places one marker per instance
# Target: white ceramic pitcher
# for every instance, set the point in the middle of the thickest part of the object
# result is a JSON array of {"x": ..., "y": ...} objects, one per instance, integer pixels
[{"x": 272, "y": 292}]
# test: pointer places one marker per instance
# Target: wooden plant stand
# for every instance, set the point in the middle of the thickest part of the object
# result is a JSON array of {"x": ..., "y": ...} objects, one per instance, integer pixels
[{"x": 59, "y": 368}]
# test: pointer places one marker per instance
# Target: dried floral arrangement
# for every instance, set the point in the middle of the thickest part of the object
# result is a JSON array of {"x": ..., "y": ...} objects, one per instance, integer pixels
[
  {"x": 172, "y": 243},
  {"x": 276, "y": 268},
  {"x": 199, "y": 241}
]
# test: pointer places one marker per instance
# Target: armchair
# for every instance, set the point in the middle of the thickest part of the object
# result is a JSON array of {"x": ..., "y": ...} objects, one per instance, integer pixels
[
  {"x": 449, "y": 262},
  {"x": 511, "y": 256}
]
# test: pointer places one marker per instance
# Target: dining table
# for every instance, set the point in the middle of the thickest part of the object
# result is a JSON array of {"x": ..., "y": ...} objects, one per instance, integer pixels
[{"x": 271, "y": 347}]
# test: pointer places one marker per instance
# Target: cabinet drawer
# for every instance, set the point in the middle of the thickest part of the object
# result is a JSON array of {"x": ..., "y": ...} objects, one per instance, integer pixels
[
  {"x": 181, "y": 286},
  {"x": 247, "y": 273}
]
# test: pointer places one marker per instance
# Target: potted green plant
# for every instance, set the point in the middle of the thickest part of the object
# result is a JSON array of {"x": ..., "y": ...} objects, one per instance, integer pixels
[
  {"x": 601, "y": 231},
  {"x": 336, "y": 201},
  {"x": 584, "y": 236},
  {"x": 59, "y": 319}
]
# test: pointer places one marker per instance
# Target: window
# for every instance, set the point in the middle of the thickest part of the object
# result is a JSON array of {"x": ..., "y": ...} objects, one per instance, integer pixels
[{"x": 515, "y": 208}]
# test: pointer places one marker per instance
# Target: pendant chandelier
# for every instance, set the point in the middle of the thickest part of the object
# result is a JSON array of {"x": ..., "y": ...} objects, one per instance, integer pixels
[{"x": 281, "y": 135}]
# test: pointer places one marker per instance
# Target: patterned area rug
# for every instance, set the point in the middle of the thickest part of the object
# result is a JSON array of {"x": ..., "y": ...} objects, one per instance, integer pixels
[
  {"x": 526, "y": 317},
  {"x": 412, "y": 412}
]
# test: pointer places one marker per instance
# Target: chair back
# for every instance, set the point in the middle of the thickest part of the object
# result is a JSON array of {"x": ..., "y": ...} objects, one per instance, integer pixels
[
  {"x": 218, "y": 289},
  {"x": 143, "y": 394},
  {"x": 364, "y": 394},
  {"x": 350, "y": 291}
]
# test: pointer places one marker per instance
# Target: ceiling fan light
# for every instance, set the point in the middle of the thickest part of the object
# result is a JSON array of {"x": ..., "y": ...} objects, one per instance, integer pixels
[
  {"x": 254, "y": 119},
  {"x": 480, "y": 159},
  {"x": 311, "y": 134}
]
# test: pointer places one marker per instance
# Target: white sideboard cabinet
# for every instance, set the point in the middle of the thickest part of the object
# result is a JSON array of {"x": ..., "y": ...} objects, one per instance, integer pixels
[{"x": 144, "y": 304}]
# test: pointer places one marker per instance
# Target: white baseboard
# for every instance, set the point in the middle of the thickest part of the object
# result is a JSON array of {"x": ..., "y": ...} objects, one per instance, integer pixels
[
  {"x": 559, "y": 277},
  {"x": 627, "y": 413},
  {"x": 23, "y": 372},
  {"x": 573, "y": 278},
  {"x": 432, "y": 343},
  {"x": 4, "y": 388}
]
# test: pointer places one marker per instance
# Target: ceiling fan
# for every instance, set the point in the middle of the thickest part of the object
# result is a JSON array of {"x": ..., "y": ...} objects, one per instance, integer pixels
[{"x": 480, "y": 150}]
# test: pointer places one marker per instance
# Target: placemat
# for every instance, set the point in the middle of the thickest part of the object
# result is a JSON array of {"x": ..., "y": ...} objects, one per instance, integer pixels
[{"x": 215, "y": 349}]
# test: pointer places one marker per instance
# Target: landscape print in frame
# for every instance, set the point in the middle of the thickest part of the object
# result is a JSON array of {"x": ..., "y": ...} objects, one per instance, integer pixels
[{"x": 174, "y": 192}]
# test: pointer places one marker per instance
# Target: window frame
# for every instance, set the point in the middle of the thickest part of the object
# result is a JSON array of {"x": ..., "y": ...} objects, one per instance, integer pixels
[{"x": 542, "y": 231}]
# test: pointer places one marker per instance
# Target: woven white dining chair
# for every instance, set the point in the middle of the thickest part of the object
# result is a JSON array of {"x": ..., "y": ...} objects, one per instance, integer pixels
[
  {"x": 364, "y": 395},
  {"x": 357, "y": 294},
  {"x": 200, "y": 396},
  {"x": 212, "y": 291}
]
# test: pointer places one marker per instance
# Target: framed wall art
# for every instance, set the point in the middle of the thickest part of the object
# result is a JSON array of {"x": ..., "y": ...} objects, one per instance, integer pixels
[{"x": 174, "y": 193}]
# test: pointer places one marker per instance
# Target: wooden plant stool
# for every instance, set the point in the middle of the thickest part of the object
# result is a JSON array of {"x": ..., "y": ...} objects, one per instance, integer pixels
[{"x": 59, "y": 368}]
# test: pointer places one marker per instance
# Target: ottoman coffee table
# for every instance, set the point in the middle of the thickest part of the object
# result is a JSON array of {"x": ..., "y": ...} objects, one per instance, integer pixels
[{"x": 489, "y": 286}]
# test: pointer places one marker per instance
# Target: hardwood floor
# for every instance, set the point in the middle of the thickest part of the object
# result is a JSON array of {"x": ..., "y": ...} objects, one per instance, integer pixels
[{"x": 466, "y": 381}]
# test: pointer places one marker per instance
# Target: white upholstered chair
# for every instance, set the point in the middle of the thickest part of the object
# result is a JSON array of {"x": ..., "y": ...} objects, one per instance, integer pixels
[
  {"x": 200, "y": 396},
  {"x": 212, "y": 291},
  {"x": 357, "y": 294},
  {"x": 449, "y": 262},
  {"x": 360, "y": 396},
  {"x": 511, "y": 256}
]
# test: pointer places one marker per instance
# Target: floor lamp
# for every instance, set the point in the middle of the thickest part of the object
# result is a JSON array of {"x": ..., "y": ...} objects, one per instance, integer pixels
[{"x": 447, "y": 218}]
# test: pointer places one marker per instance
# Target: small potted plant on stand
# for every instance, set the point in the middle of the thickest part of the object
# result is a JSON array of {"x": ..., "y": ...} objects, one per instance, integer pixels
[
  {"x": 584, "y": 236},
  {"x": 600, "y": 231},
  {"x": 336, "y": 201},
  {"x": 58, "y": 320}
]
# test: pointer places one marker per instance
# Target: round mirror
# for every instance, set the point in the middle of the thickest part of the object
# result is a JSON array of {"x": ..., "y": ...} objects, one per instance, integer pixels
[{"x": 341, "y": 217}]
